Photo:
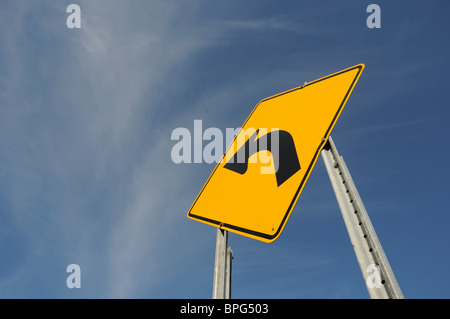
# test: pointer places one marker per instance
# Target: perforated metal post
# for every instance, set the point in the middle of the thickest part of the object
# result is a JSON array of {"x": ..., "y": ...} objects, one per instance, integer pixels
[
  {"x": 378, "y": 275},
  {"x": 222, "y": 267}
]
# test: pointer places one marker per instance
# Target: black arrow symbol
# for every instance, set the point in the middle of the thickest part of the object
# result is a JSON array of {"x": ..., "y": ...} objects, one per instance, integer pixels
[{"x": 284, "y": 156}]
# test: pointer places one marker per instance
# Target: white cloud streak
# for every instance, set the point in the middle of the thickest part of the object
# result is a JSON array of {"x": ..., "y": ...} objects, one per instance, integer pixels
[{"x": 85, "y": 150}]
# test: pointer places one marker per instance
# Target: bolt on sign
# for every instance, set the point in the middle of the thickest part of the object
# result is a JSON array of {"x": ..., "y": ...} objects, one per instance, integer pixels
[{"x": 254, "y": 188}]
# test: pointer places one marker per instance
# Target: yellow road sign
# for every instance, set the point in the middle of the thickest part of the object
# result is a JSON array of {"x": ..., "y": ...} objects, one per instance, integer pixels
[{"x": 255, "y": 187}]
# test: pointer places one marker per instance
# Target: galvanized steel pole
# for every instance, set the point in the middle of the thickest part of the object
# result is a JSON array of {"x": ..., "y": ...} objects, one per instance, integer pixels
[
  {"x": 222, "y": 267},
  {"x": 228, "y": 271},
  {"x": 378, "y": 275}
]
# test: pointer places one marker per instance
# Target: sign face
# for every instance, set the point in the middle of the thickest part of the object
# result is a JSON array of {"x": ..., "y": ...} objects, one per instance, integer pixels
[{"x": 254, "y": 188}]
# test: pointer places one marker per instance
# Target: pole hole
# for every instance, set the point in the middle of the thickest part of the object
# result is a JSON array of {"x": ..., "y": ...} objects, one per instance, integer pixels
[
  {"x": 370, "y": 249},
  {"x": 365, "y": 236}
]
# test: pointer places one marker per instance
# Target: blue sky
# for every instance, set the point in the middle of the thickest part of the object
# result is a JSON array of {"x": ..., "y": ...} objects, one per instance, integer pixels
[{"x": 86, "y": 117}]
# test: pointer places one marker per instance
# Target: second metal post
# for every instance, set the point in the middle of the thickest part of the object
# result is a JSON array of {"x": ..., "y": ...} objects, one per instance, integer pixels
[
  {"x": 222, "y": 266},
  {"x": 378, "y": 275}
]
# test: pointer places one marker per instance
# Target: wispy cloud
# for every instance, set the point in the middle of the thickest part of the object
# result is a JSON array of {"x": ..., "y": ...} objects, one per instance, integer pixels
[
  {"x": 280, "y": 22},
  {"x": 85, "y": 151},
  {"x": 89, "y": 176}
]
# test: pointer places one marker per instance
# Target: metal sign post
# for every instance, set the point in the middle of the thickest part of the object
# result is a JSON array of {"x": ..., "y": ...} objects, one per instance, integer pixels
[
  {"x": 228, "y": 268},
  {"x": 375, "y": 268},
  {"x": 222, "y": 266}
]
